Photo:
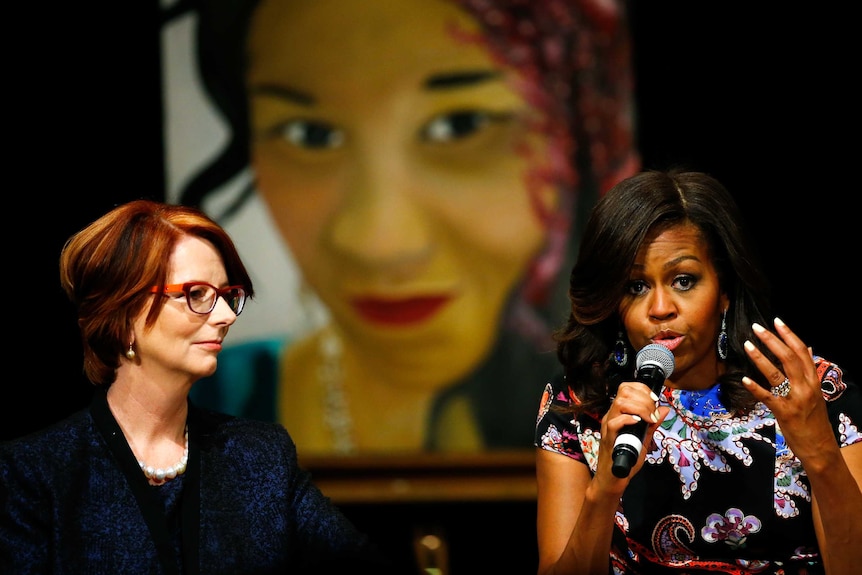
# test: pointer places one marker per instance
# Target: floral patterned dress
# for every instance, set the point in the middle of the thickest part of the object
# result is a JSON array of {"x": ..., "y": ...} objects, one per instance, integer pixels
[{"x": 718, "y": 493}]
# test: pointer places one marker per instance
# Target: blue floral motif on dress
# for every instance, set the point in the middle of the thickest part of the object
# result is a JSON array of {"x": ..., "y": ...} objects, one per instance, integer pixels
[{"x": 698, "y": 432}]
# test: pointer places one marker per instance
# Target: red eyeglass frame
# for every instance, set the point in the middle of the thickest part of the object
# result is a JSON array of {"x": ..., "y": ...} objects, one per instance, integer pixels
[{"x": 220, "y": 293}]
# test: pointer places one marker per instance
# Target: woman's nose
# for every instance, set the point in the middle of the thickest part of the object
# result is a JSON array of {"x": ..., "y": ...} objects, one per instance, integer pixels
[
  {"x": 382, "y": 219},
  {"x": 662, "y": 304},
  {"x": 222, "y": 312}
]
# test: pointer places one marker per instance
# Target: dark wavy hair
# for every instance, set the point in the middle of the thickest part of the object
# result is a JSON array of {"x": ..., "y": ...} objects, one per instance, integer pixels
[
  {"x": 108, "y": 268},
  {"x": 637, "y": 207}
]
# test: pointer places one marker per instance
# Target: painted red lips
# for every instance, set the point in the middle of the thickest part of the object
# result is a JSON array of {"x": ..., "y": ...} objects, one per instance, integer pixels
[{"x": 399, "y": 311}]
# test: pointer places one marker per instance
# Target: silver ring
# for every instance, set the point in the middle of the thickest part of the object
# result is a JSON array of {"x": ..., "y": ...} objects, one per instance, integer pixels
[{"x": 782, "y": 389}]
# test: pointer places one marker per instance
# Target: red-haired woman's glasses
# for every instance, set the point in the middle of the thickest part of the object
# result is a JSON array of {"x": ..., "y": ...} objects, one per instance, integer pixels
[{"x": 202, "y": 296}]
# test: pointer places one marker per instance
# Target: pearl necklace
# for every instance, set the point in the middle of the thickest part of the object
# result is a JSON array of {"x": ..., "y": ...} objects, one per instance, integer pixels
[
  {"x": 160, "y": 475},
  {"x": 336, "y": 411}
]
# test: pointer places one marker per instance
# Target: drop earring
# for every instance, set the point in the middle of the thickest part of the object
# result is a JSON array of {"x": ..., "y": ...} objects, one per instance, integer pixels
[
  {"x": 130, "y": 353},
  {"x": 722, "y": 337},
  {"x": 620, "y": 353}
]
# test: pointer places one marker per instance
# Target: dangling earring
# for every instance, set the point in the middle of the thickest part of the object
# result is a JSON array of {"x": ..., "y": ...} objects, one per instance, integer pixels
[
  {"x": 130, "y": 353},
  {"x": 620, "y": 354},
  {"x": 722, "y": 337}
]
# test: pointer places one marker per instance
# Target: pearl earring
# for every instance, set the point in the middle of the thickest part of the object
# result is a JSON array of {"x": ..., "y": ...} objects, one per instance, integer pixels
[{"x": 130, "y": 354}]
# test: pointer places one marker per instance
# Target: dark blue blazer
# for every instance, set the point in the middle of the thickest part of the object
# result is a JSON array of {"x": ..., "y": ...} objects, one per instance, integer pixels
[{"x": 74, "y": 501}]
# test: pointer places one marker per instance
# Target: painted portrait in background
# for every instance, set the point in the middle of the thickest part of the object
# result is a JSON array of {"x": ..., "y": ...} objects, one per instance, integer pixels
[{"x": 421, "y": 166}]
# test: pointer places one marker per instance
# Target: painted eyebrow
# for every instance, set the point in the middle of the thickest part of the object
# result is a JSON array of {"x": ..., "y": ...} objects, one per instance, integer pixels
[
  {"x": 448, "y": 80},
  {"x": 284, "y": 93},
  {"x": 443, "y": 81}
]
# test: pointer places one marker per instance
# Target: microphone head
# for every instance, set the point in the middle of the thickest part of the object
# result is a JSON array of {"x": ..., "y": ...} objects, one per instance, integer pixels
[{"x": 658, "y": 355}]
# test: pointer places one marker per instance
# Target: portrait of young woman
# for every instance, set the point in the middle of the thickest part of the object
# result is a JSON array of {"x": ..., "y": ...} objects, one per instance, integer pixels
[{"x": 419, "y": 168}]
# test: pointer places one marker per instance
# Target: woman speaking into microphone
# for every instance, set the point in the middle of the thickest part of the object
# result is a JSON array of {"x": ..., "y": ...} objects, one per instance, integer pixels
[{"x": 751, "y": 460}]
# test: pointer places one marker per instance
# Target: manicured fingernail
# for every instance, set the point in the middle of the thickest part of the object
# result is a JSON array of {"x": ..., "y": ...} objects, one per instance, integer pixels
[
  {"x": 747, "y": 380},
  {"x": 653, "y": 396},
  {"x": 748, "y": 345},
  {"x": 636, "y": 417},
  {"x": 654, "y": 416},
  {"x": 757, "y": 327},
  {"x": 779, "y": 323}
]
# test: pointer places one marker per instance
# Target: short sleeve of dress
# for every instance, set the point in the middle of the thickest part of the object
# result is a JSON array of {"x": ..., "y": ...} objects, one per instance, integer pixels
[
  {"x": 556, "y": 428},
  {"x": 843, "y": 401}
]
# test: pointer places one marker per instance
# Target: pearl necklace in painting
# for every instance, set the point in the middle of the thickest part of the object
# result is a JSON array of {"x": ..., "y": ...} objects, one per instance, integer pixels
[
  {"x": 336, "y": 412},
  {"x": 160, "y": 475}
]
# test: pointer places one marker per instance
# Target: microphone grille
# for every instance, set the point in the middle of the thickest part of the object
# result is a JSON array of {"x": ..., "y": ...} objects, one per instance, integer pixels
[{"x": 656, "y": 354}]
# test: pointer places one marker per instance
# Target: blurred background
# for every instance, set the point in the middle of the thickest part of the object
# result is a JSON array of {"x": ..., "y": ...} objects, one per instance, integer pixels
[{"x": 761, "y": 96}]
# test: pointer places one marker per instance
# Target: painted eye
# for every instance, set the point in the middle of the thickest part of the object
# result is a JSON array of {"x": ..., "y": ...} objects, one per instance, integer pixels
[
  {"x": 454, "y": 126},
  {"x": 312, "y": 135}
]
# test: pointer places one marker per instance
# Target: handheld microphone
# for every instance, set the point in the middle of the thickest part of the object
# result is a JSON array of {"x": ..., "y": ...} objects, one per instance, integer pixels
[{"x": 654, "y": 365}]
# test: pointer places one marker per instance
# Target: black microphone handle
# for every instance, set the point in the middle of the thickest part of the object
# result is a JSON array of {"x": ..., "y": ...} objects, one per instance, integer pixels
[
  {"x": 629, "y": 442},
  {"x": 627, "y": 447}
]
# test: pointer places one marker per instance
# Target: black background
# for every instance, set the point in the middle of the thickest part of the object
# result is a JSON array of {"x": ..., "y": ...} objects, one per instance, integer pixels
[{"x": 762, "y": 95}]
